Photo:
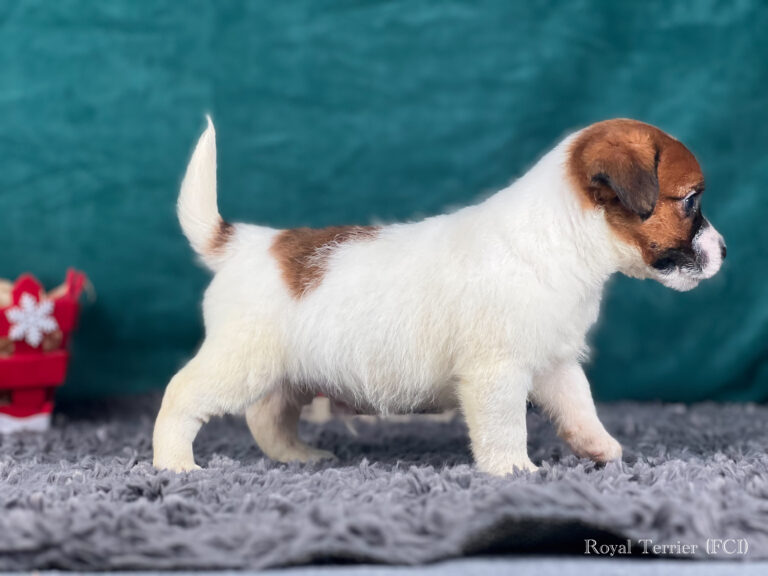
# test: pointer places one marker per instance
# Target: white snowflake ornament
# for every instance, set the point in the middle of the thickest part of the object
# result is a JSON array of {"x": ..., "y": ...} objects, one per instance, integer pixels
[{"x": 31, "y": 320}]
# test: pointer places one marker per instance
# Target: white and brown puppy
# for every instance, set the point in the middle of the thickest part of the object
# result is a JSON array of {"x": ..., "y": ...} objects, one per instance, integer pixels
[{"x": 487, "y": 307}]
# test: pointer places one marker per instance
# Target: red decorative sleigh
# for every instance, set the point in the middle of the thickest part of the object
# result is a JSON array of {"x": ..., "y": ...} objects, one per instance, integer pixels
[{"x": 35, "y": 327}]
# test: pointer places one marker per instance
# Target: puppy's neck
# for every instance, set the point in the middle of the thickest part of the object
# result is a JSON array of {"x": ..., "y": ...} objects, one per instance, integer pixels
[{"x": 542, "y": 213}]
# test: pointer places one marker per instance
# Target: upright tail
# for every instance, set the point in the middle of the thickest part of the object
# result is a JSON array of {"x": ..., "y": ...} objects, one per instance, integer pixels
[{"x": 198, "y": 212}]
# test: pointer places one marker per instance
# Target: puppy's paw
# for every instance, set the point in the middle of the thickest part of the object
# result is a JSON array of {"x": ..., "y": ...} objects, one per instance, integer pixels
[
  {"x": 598, "y": 446},
  {"x": 178, "y": 466},
  {"x": 300, "y": 452},
  {"x": 511, "y": 466},
  {"x": 316, "y": 455},
  {"x": 526, "y": 466}
]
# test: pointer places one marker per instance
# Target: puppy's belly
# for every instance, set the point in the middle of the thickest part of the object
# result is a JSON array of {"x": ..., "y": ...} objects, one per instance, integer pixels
[
  {"x": 378, "y": 399},
  {"x": 376, "y": 383},
  {"x": 371, "y": 367}
]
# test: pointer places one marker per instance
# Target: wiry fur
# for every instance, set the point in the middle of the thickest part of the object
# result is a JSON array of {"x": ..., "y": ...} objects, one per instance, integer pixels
[{"x": 485, "y": 307}]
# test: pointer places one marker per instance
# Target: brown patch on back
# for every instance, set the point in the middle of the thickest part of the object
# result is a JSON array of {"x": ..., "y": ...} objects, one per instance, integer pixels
[
  {"x": 302, "y": 253},
  {"x": 633, "y": 157},
  {"x": 221, "y": 238}
]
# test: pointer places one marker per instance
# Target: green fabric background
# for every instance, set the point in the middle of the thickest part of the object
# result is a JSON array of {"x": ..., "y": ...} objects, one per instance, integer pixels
[{"x": 358, "y": 111}]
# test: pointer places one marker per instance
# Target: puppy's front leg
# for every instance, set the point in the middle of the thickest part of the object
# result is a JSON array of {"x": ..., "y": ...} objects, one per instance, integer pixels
[
  {"x": 494, "y": 405},
  {"x": 564, "y": 394}
]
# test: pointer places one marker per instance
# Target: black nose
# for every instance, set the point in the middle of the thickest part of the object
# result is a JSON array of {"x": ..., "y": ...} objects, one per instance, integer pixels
[{"x": 723, "y": 250}]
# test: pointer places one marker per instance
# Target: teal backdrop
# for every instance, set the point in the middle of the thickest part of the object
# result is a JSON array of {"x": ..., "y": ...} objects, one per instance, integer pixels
[{"x": 355, "y": 111}]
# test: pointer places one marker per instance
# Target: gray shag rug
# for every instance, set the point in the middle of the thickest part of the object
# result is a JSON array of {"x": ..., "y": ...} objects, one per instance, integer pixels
[{"x": 85, "y": 497}]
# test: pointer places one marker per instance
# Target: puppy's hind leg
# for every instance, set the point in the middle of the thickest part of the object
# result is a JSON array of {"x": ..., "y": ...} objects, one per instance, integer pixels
[
  {"x": 211, "y": 384},
  {"x": 273, "y": 422}
]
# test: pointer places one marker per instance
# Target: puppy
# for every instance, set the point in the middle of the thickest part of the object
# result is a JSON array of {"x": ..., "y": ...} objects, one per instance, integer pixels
[{"x": 487, "y": 307}]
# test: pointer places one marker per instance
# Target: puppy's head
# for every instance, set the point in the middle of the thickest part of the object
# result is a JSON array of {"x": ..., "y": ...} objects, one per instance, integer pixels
[{"x": 650, "y": 187}]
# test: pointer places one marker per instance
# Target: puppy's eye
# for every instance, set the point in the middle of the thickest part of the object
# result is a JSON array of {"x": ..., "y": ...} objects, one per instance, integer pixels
[{"x": 691, "y": 203}]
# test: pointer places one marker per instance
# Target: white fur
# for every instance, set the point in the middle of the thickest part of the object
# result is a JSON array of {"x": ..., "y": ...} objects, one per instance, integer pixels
[
  {"x": 197, "y": 206},
  {"x": 707, "y": 245},
  {"x": 485, "y": 307},
  {"x": 709, "y": 242}
]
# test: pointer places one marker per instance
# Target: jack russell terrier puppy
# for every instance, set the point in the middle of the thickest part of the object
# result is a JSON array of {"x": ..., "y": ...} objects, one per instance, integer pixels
[{"x": 485, "y": 308}]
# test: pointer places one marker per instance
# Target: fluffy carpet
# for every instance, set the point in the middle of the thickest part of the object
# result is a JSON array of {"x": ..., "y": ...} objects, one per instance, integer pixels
[{"x": 84, "y": 496}]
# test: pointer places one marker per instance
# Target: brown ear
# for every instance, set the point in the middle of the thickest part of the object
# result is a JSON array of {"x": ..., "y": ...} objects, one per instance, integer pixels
[{"x": 627, "y": 172}]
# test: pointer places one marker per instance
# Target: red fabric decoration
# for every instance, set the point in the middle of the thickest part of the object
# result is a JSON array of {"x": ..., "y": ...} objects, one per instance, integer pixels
[{"x": 29, "y": 375}]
